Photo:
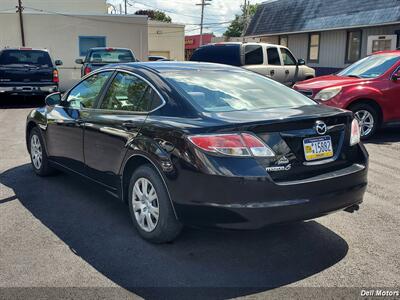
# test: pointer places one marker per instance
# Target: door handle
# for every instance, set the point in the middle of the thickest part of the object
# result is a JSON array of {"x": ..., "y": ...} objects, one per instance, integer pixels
[
  {"x": 287, "y": 72},
  {"x": 272, "y": 72}
]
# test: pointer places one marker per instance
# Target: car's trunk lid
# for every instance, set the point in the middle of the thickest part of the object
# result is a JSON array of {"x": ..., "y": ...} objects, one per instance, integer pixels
[
  {"x": 284, "y": 130},
  {"x": 25, "y": 74}
]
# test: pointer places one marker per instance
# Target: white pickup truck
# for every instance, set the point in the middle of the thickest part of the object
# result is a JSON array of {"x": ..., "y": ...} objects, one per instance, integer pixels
[{"x": 274, "y": 61}]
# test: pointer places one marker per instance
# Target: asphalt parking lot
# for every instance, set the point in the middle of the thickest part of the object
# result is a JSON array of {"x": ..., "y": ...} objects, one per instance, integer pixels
[{"x": 64, "y": 232}]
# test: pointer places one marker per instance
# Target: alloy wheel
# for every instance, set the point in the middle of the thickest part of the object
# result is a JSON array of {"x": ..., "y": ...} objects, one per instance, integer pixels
[
  {"x": 36, "y": 152},
  {"x": 145, "y": 204},
  {"x": 366, "y": 121}
]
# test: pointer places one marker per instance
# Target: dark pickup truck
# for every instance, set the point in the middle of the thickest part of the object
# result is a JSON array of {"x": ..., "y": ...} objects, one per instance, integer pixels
[
  {"x": 100, "y": 57},
  {"x": 27, "y": 71}
]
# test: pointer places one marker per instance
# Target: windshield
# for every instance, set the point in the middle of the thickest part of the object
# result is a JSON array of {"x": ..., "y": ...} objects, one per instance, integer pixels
[
  {"x": 371, "y": 66},
  {"x": 25, "y": 57},
  {"x": 110, "y": 56},
  {"x": 224, "y": 91}
]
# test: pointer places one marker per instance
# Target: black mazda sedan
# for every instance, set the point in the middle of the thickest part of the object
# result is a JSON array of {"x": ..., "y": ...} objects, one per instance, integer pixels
[{"x": 203, "y": 145}]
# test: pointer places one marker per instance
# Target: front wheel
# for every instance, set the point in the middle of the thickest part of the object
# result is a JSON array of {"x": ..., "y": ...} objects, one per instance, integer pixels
[
  {"x": 38, "y": 155},
  {"x": 368, "y": 119},
  {"x": 150, "y": 207}
]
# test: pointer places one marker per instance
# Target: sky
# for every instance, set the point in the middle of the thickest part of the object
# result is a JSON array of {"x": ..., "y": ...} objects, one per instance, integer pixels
[{"x": 186, "y": 12}]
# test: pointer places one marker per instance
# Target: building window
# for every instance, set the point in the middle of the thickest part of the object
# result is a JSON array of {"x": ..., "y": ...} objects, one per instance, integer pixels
[
  {"x": 353, "y": 49},
  {"x": 313, "y": 47},
  {"x": 284, "y": 40},
  {"x": 87, "y": 42}
]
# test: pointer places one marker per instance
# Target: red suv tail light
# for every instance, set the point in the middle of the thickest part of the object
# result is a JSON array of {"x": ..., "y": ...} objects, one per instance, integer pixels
[
  {"x": 87, "y": 70},
  {"x": 56, "y": 78},
  {"x": 243, "y": 144}
]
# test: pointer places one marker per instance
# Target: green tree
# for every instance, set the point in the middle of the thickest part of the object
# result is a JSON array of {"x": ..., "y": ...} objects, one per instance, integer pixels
[
  {"x": 155, "y": 15},
  {"x": 236, "y": 27}
]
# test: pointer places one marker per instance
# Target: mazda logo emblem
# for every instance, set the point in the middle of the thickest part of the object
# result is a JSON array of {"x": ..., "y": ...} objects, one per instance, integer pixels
[{"x": 320, "y": 127}]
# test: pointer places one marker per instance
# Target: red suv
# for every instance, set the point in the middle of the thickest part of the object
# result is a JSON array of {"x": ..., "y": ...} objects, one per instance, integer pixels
[{"x": 369, "y": 87}]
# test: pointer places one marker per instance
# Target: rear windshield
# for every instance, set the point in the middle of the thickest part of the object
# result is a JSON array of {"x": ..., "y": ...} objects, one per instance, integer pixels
[
  {"x": 25, "y": 57},
  {"x": 231, "y": 90},
  {"x": 222, "y": 54},
  {"x": 110, "y": 56}
]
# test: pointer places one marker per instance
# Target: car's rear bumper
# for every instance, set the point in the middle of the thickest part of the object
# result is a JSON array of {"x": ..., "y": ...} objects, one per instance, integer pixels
[
  {"x": 29, "y": 89},
  {"x": 252, "y": 203}
]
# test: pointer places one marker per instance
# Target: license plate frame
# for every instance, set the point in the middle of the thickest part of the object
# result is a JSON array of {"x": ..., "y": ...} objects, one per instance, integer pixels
[{"x": 317, "y": 148}]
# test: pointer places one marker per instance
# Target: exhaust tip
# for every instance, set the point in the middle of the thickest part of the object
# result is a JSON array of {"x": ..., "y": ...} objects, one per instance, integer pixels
[{"x": 353, "y": 208}]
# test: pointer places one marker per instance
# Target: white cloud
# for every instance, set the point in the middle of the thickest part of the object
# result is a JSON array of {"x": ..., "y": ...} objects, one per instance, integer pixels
[{"x": 186, "y": 12}]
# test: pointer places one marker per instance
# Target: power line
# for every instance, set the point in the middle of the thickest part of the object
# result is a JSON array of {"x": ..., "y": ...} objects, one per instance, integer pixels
[{"x": 170, "y": 11}]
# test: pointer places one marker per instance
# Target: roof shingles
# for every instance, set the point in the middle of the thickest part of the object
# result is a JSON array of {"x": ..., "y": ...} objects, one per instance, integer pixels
[{"x": 284, "y": 16}]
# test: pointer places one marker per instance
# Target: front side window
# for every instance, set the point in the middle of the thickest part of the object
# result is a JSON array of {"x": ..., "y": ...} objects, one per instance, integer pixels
[
  {"x": 372, "y": 66},
  {"x": 85, "y": 94},
  {"x": 254, "y": 55},
  {"x": 273, "y": 56},
  {"x": 313, "y": 47},
  {"x": 88, "y": 42},
  {"x": 234, "y": 90},
  {"x": 353, "y": 46},
  {"x": 128, "y": 92},
  {"x": 287, "y": 57}
]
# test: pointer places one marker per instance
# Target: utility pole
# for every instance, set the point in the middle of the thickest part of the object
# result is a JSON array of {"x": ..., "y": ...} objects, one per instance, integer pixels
[
  {"x": 126, "y": 7},
  {"x": 20, "y": 8},
  {"x": 203, "y": 4},
  {"x": 246, "y": 10}
]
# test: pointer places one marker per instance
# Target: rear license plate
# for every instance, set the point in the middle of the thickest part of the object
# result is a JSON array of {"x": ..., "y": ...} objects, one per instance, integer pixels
[{"x": 318, "y": 148}]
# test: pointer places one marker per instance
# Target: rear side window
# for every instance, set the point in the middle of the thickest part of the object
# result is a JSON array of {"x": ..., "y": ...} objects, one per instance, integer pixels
[
  {"x": 25, "y": 57},
  {"x": 253, "y": 55},
  {"x": 110, "y": 56},
  {"x": 273, "y": 57},
  {"x": 222, "y": 54},
  {"x": 130, "y": 93}
]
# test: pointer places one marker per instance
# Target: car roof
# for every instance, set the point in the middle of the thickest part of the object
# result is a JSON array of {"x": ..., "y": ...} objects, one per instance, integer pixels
[
  {"x": 171, "y": 66},
  {"x": 387, "y": 52},
  {"x": 105, "y": 48},
  {"x": 242, "y": 43},
  {"x": 24, "y": 49}
]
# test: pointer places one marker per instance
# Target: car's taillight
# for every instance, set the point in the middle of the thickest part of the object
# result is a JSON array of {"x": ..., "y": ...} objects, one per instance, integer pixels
[
  {"x": 355, "y": 133},
  {"x": 56, "y": 78},
  {"x": 87, "y": 70},
  {"x": 243, "y": 144}
]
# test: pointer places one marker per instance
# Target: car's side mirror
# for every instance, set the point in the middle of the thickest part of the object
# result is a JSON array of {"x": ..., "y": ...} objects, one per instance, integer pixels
[
  {"x": 301, "y": 62},
  {"x": 79, "y": 61},
  {"x": 53, "y": 99},
  {"x": 58, "y": 62},
  {"x": 396, "y": 75}
]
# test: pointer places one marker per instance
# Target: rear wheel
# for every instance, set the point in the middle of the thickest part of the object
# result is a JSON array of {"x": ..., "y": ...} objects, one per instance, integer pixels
[
  {"x": 368, "y": 119},
  {"x": 39, "y": 159},
  {"x": 150, "y": 207}
]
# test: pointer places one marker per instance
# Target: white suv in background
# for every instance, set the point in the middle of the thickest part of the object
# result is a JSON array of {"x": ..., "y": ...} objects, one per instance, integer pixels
[{"x": 274, "y": 61}]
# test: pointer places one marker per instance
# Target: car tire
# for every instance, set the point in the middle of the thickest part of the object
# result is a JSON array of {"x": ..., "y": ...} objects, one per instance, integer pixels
[
  {"x": 39, "y": 160},
  {"x": 368, "y": 118},
  {"x": 150, "y": 207}
]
